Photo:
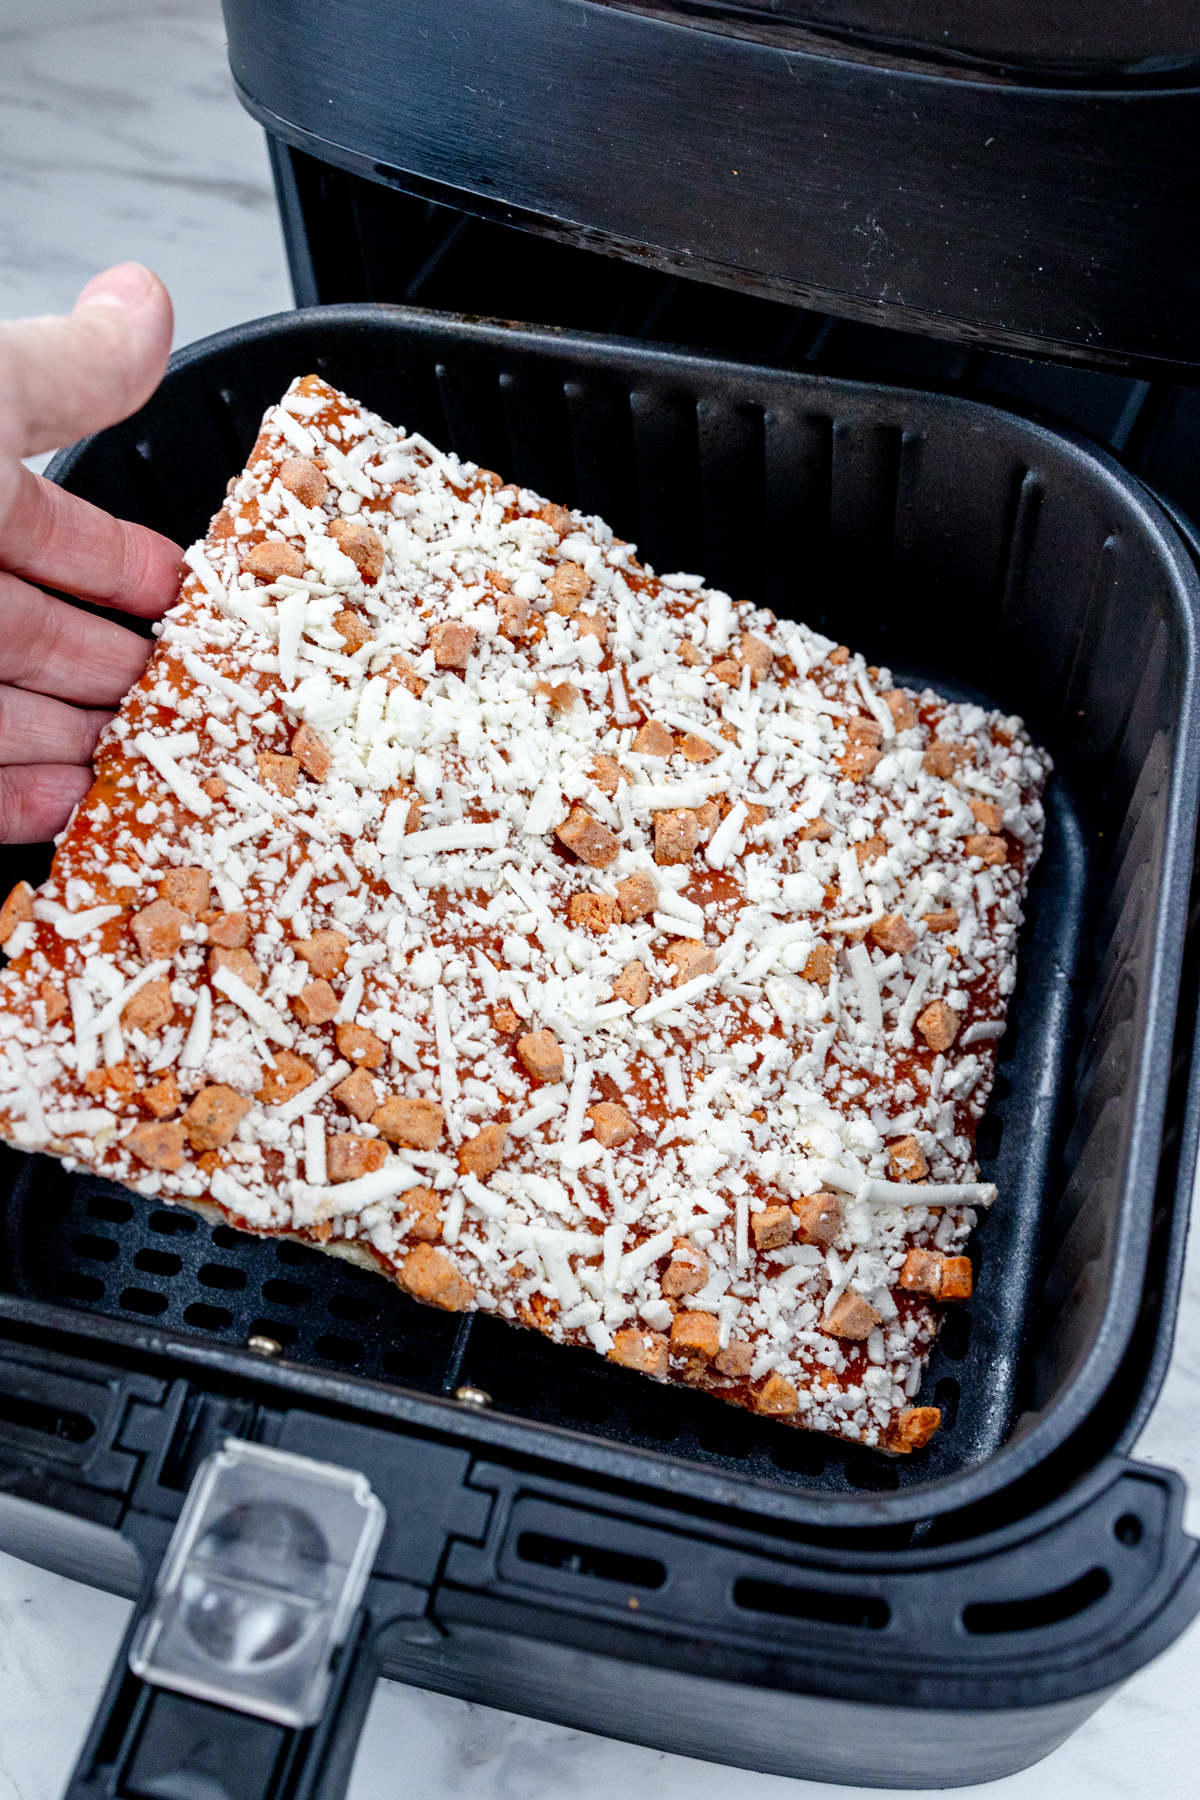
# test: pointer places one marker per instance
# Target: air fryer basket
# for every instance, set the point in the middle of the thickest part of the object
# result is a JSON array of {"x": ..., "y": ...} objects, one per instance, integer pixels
[{"x": 958, "y": 544}]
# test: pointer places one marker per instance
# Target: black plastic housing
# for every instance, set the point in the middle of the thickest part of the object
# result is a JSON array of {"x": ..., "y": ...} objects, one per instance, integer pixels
[
  {"x": 505, "y": 1582},
  {"x": 804, "y": 1585},
  {"x": 353, "y": 237},
  {"x": 1048, "y": 211}
]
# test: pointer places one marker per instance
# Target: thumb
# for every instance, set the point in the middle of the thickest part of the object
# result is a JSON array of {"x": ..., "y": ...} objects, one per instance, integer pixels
[{"x": 61, "y": 378}]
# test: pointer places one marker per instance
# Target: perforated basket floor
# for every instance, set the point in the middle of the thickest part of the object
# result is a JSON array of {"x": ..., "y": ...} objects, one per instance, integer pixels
[{"x": 88, "y": 1243}]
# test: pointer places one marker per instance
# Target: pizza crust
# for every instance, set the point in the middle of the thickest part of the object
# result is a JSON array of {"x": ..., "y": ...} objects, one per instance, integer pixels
[{"x": 566, "y": 941}]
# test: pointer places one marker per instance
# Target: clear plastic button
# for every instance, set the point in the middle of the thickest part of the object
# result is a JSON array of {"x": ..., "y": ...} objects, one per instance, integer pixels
[{"x": 263, "y": 1575}]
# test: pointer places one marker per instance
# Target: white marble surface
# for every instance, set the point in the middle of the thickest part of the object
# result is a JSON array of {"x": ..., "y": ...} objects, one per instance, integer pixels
[{"x": 120, "y": 137}]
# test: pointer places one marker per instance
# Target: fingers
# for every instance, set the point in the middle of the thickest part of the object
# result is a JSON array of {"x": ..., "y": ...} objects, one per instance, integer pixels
[
  {"x": 55, "y": 537},
  {"x": 36, "y": 796},
  {"x": 52, "y": 648},
  {"x": 34, "y": 729},
  {"x": 61, "y": 378},
  {"x": 36, "y": 800}
]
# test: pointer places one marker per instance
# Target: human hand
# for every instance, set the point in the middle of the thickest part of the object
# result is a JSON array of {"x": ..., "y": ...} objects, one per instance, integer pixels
[{"x": 62, "y": 670}]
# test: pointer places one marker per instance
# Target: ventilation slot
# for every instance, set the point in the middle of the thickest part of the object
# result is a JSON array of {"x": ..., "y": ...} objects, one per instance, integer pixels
[
  {"x": 800, "y": 1451},
  {"x": 872, "y": 1478},
  {"x": 110, "y": 1207},
  {"x": 955, "y": 1335},
  {"x": 587, "y": 1406},
  {"x": 863, "y": 1612},
  {"x": 661, "y": 1425},
  {"x": 176, "y": 1224},
  {"x": 220, "y": 1275},
  {"x": 95, "y": 1249},
  {"x": 727, "y": 1437},
  {"x": 1040, "y": 1609},
  {"x": 988, "y": 1133},
  {"x": 286, "y": 1293},
  {"x": 405, "y": 1365},
  {"x": 143, "y": 1300},
  {"x": 587, "y": 1559},
  {"x": 208, "y": 1318},
  {"x": 356, "y": 1308},
  {"x": 73, "y": 1286},
  {"x": 946, "y": 1395},
  {"x": 50, "y": 1421}
]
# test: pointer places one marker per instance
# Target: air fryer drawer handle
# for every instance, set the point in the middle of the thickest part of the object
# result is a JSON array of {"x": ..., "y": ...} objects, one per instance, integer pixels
[
  {"x": 155, "y": 1744},
  {"x": 248, "y": 1668}
]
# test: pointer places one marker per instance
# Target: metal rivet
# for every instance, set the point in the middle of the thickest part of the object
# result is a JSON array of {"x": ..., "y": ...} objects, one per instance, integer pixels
[
  {"x": 472, "y": 1396},
  {"x": 266, "y": 1346}
]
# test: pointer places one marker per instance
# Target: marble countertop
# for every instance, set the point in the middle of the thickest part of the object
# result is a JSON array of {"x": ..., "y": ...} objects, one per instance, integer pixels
[{"x": 120, "y": 137}]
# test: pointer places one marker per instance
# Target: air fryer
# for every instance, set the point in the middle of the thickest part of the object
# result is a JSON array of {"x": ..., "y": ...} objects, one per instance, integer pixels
[{"x": 813, "y": 242}]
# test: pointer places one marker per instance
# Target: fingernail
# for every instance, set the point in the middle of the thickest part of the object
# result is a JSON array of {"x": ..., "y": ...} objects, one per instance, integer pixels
[{"x": 129, "y": 284}]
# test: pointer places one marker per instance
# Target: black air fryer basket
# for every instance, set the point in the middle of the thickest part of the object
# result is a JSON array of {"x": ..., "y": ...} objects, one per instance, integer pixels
[{"x": 584, "y": 1546}]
